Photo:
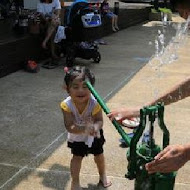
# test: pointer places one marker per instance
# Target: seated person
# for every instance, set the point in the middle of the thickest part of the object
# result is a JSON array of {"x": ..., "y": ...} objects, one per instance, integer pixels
[
  {"x": 71, "y": 11},
  {"x": 105, "y": 10},
  {"x": 49, "y": 11}
]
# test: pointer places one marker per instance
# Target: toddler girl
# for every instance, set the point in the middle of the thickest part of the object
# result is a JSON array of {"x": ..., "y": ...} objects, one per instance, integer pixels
[{"x": 83, "y": 121}]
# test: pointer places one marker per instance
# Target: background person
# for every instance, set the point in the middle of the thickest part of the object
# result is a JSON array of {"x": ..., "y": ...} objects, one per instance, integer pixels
[
  {"x": 49, "y": 11},
  {"x": 105, "y": 11}
]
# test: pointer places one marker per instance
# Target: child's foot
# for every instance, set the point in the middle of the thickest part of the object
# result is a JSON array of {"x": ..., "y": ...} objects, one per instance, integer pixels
[
  {"x": 79, "y": 188},
  {"x": 76, "y": 187},
  {"x": 104, "y": 182}
]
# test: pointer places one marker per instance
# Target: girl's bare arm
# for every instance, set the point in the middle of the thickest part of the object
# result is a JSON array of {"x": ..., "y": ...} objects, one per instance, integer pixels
[
  {"x": 98, "y": 120},
  {"x": 70, "y": 125}
]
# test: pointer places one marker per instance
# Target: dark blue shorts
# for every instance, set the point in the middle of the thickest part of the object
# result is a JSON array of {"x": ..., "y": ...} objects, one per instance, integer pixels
[
  {"x": 81, "y": 149},
  {"x": 110, "y": 15}
]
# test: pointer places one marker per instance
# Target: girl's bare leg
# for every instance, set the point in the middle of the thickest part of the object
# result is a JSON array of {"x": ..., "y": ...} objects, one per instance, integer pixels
[
  {"x": 100, "y": 162},
  {"x": 75, "y": 167}
]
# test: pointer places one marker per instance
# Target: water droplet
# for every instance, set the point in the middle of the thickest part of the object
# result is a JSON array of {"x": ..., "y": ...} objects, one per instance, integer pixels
[{"x": 150, "y": 43}]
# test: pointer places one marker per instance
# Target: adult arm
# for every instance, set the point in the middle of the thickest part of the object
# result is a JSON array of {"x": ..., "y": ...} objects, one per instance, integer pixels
[
  {"x": 40, "y": 11},
  {"x": 57, "y": 5},
  {"x": 178, "y": 92},
  {"x": 40, "y": 8}
]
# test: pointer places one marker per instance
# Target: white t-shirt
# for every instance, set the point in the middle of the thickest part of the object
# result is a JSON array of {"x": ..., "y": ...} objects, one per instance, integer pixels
[{"x": 48, "y": 8}]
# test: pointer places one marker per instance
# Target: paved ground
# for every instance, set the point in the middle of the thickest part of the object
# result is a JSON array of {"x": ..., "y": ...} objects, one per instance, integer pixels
[{"x": 32, "y": 135}]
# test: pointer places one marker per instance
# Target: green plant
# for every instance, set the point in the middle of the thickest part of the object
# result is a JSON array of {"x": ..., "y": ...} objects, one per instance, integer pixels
[{"x": 164, "y": 10}]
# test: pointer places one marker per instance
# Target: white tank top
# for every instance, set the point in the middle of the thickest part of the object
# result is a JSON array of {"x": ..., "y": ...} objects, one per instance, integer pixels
[{"x": 81, "y": 119}]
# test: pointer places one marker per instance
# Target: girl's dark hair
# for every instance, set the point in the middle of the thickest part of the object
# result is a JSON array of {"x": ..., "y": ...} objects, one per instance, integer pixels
[{"x": 79, "y": 72}]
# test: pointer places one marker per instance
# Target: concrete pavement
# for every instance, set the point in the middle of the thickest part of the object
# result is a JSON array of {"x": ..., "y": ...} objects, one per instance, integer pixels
[{"x": 29, "y": 165}]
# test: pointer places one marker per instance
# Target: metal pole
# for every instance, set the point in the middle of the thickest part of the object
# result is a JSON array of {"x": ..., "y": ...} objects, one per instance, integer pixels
[{"x": 116, "y": 8}]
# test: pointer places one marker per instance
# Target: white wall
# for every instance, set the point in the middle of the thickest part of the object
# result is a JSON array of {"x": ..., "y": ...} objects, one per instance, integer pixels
[{"x": 30, "y": 4}]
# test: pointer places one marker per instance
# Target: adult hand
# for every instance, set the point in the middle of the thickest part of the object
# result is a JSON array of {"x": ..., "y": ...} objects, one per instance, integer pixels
[
  {"x": 124, "y": 113},
  {"x": 170, "y": 159}
]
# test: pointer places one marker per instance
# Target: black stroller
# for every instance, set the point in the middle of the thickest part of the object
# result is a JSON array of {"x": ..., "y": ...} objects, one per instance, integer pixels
[{"x": 82, "y": 29}]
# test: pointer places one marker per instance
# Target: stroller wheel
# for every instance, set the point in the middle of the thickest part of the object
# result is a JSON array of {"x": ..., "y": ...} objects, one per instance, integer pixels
[{"x": 97, "y": 58}]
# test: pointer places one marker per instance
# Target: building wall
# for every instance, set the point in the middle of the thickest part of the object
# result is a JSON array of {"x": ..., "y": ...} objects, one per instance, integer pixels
[{"x": 30, "y": 4}]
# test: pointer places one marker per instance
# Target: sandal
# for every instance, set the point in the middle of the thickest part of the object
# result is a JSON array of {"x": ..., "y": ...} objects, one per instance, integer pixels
[{"x": 108, "y": 184}]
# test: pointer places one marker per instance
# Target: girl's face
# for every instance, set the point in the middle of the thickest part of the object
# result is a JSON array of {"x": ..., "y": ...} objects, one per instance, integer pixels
[{"x": 79, "y": 91}]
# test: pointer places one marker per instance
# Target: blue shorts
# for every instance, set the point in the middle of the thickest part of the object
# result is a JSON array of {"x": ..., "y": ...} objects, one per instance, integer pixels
[
  {"x": 110, "y": 15},
  {"x": 81, "y": 149}
]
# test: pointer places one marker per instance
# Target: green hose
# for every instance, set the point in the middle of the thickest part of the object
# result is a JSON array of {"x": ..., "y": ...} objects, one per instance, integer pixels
[{"x": 107, "y": 111}]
